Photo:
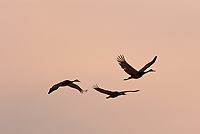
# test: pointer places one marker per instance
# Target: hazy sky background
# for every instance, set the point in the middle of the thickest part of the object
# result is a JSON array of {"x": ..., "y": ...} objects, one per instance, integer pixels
[{"x": 45, "y": 42}]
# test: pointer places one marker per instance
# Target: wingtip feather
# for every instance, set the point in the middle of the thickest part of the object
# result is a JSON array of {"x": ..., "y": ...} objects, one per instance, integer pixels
[
  {"x": 95, "y": 86},
  {"x": 120, "y": 58}
]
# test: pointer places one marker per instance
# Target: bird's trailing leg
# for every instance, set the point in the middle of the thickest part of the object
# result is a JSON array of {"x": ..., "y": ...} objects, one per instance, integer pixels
[
  {"x": 127, "y": 78},
  {"x": 108, "y": 97},
  {"x": 84, "y": 91}
]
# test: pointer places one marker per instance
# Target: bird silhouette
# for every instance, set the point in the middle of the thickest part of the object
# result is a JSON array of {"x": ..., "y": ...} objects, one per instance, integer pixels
[
  {"x": 67, "y": 83},
  {"x": 131, "y": 71},
  {"x": 111, "y": 93}
]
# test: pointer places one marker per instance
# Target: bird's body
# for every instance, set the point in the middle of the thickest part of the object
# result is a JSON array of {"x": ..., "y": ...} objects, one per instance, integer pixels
[
  {"x": 133, "y": 72},
  {"x": 111, "y": 93},
  {"x": 66, "y": 83}
]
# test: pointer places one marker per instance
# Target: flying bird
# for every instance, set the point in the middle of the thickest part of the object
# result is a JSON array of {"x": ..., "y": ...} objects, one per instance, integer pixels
[
  {"x": 111, "y": 93},
  {"x": 131, "y": 71},
  {"x": 67, "y": 83}
]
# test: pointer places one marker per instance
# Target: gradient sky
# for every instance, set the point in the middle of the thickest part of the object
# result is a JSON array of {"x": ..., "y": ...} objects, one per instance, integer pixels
[{"x": 43, "y": 42}]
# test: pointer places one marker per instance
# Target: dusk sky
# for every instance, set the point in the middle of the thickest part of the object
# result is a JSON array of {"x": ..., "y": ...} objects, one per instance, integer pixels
[{"x": 43, "y": 42}]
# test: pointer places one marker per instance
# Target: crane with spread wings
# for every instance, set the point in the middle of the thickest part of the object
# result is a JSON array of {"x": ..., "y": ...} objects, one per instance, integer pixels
[{"x": 133, "y": 72}]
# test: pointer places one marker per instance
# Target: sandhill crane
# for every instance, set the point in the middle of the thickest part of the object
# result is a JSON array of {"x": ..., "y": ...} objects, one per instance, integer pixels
[
  {"x": 66, "y": 83},
  {"x": 131, "y": 71},
  {"x": 111, "y": 93}
]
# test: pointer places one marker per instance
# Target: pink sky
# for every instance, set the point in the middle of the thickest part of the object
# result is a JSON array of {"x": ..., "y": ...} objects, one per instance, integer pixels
[{"x": 45, "y": 42}]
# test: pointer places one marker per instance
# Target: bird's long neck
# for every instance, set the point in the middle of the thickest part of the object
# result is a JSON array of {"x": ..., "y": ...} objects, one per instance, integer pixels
[
  {"x": 75, "y": 80},
  {"x": 151, "y": 70}
]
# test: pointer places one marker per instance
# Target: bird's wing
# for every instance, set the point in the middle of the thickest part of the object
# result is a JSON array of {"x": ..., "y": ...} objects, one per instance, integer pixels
[
  {"x": 76, "y": 87},
  {"x": 131, "y": 91},
  {"x": 127, "y": 68},
  {"x": 148, "y": 65},
  {"x": 54, "y": 87},
  {"x": 102, "y": 90}
]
